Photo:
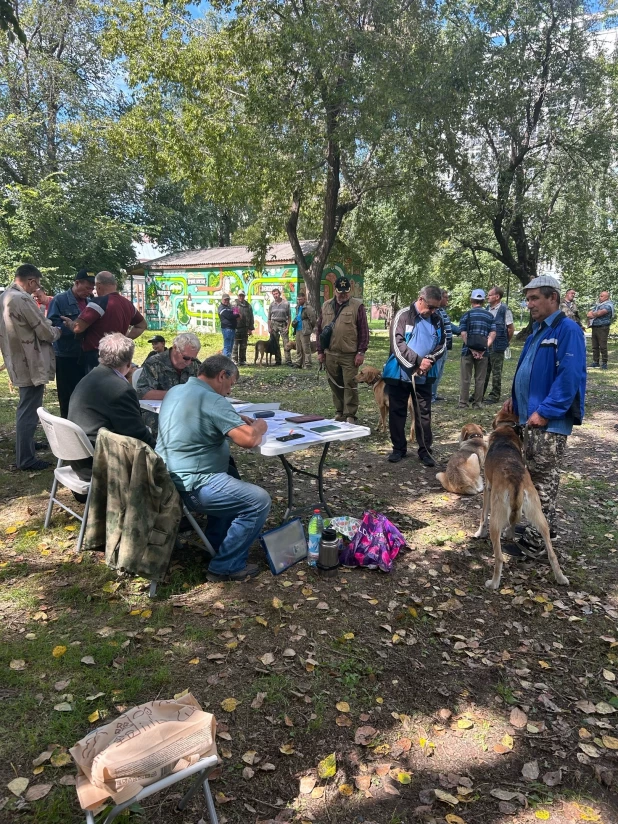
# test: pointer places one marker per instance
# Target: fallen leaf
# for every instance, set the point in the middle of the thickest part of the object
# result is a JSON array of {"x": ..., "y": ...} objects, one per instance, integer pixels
[
  {"x": 146, "y": 613},
  {"x": 610, "y": 742},
  {"x": 63, "y": 707},
  {"x": 267, "y": 767},
  {"x": 609, "y": 675},
  {"x": 404, "y": 777},
  {"x": 288, "y": 721},
  {"x": 552, "y": 779},
  {"x": 289, "y": 653},
  {"x": 586, "y": 706},
  {"x": 68, "y": 781},
  {"x": 42, "y": 758},
  {"x": 260, "y": 620},
  {"x": 446, "y": 797},
  {"x": 287, "y": 749},
  {"x": 346, "y": 789},
  {"x": 348, "y": 636},
  {"x": 267, "y": 658},
  {"x": 222, "y": 798},
  {"x": 343, "y": 706},
  {"x": 365, "y": 735},
  {"x": 59, "y": 651},
  {"x": 507, "y": 741},
  {"x": 37, "y": 792},
  {"x": 17, "y": 664},
  {"x": 249, "y": 757},
  {"x": 530, "y": 770},
  {"x": 307, "y": 783},
  {"x": 248, "y": 773},
  {"x": 465, "y": 724},
  {"x": 363, "y": 782},
  {"x": 60, "y": 686},
  {"x": 38, "y": 770},
  {"x": 63, "y": 759},
  {"x": 18, "y": 785},
  {"x": 327, "y": 767},
  {"x": 542, "y": 814},
  {"x": 451, "y": 818},
  {"x": 88, "y": 660},
  {"x": 589, "y": 749},
  {"x": 317, "y": 792},
  {"x": 508, "y": 795},
  {"x": 194, "y": 661},
  {"x": 343, "y": 721},
  {"x": 604, "y": 708},
  {"x": 94, "y": 716},
  {"x": 110, "y": 587},
  {"x": 322, "y": 605},
  {"x": 518, "y": 718},
  {"x": 95, "y": 696},
  {"x": 277, "y": 603},
  {"x": 229, "y": 704},
  {"x": 258, "y": 700}
]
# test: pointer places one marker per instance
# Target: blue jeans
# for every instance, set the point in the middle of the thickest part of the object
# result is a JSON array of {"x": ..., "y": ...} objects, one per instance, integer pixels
[
  {"x": 228, "y": 341},
  {"x": 441, "y": 365},
  {"x": 236, "y": 513}
]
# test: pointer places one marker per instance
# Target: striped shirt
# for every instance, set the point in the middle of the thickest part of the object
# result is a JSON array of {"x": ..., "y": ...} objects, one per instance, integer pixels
[{"x": 477, "y": 321}]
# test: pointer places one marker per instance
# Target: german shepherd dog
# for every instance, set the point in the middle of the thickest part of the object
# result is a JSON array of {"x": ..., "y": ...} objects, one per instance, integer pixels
[
  {"x": 373, "y": 378},
  {"x": 463, "y": 471},
  {"x": 509, "y": 494}
]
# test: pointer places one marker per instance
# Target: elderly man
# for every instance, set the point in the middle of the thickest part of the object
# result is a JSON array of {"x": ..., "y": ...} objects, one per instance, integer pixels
[
  {"x": 570, "y": 308},
  {"x": 549, "y": 391},
  {"x": 158, "y": 346},
  {"x": 70, "y": 368},
  {"x": 600, "y": 318},
  {"x": 228, "y": 318},
  {"x": 105, "y": 398},
  {"x": 108, "y": 312},
  {"x": 244, "y": 327},
  {"x": 478, "y": 332},
  {"x": 279, "y": 323},
  {"x": 418, "y": 342},
  {"x": 303, "y": 325},
  {"x": 26, "y": 338},
  {"x": 505, "y": 326},
  {"x": 343, "y": 338},
  {"x": 195, "y": 428}
]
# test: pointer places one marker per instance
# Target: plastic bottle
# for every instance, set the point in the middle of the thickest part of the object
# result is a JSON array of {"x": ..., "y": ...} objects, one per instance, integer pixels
[{"x": 315, "y": 529}]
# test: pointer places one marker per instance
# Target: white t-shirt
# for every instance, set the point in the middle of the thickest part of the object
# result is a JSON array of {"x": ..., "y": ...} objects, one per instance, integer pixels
[{"x": 509, "y": 315}]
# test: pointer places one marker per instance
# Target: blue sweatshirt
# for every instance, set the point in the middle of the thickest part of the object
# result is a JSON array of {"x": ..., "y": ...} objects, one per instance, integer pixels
[{"x": 552, "y": 367}]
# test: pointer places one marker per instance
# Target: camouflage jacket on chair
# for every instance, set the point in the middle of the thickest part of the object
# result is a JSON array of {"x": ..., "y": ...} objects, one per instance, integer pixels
[{"x": 135, "y": 509}]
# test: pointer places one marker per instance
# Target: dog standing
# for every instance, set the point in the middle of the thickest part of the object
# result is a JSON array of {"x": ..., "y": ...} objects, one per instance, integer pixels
[
  {"x": 373, "y": 378},
  {"x": 509, "y": 494},
  {"x": 267, "y": 348},
  {"x": 463, "y": 471}
]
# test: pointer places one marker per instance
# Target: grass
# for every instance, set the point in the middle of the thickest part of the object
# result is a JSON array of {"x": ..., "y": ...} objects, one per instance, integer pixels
[{"x": 52, "y": 596}]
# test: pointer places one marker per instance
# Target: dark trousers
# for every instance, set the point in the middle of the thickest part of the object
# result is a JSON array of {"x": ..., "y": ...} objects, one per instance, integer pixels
[
  {"x": 69, "y": 372},
  {"x": 30, "y": 398},
  {"x": 599, "y": 343},
  {"x": 90, "y": 360},
  {"x": 495, "y": 362},
  {"x": 239, "y": 353},
  {"x": 398, "y": 394}
]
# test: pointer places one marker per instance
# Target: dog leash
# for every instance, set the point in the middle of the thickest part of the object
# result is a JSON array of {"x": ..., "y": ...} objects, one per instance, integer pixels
[{"x": 525, "y": 447}]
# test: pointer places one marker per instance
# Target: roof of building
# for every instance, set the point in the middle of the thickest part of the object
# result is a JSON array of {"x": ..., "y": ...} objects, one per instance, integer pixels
[{"x": 229, "y": 256}]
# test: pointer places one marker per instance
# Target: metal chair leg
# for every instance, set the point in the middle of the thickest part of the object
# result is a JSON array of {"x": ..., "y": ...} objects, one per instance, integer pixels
[
  {"x": 51, "y": 503},
  {"x": 210, "y": 804},
  {"x": 82, "y": 529},
  {"x": 153, "y": 589},
  {"x": 198, "y": 530}
]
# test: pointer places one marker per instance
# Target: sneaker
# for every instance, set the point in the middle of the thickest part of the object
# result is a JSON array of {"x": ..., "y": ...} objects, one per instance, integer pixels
[
  {"x": 491, "y": 400},
  {"x": 426, "y": 460},
  {"x": 339, "y": 417},
  {"x": 37, "y": 466},
  {"x": 41, "y": 446},
  {"x": 250, "y": 571},
  {"x": 603, "y": 366},
  {"x": 396, "y": 456},
  {"x": 520, "y": 529},
  {"x": 594, "y": 365},
  {"x": 350, "y": 420},
  {"x": 439, "y": 398}
]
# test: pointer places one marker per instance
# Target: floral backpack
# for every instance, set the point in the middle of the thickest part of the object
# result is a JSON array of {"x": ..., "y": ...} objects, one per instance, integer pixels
[{"x": 375, "y": 545}]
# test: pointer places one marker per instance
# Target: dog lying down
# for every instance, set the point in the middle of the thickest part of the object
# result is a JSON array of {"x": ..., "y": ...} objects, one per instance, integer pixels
[
  {"x": 463, "y": 471},
  {"x": 510, "y": 494},
  {"x": 373, "y": 378}
]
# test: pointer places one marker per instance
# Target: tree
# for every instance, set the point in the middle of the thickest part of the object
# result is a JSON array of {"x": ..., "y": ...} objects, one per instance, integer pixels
[
  {"x": 525, "y": 120},
  {"x": 277, "y": 105}
]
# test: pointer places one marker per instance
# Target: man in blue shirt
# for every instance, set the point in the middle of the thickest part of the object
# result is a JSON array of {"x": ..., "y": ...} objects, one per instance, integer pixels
[
  {"x": 478, "y": 330},
  {"x": 600, "y": 318},
  {"x": 196, "y": 425},
  {"x": 548, "y": 394},
  {"x": 448, "y": 336}
]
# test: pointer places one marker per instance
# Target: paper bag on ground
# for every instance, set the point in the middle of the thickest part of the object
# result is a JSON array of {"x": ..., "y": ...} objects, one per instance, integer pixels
[{"x": 141, "y": 746}]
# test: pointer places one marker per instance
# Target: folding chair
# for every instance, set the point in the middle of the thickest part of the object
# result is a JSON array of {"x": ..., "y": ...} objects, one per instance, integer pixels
[
  {"x": 135, "y": 377},
  {"x": 68, "y": 442},
  {"x": 203, "y": 767}
]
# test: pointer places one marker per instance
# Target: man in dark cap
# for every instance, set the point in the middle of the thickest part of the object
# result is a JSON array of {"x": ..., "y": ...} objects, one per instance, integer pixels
[
  {"x": 70, "y": 366},
  {"x": 343, "y": 338},
  {"x": 244, "y": 328},
  {"x": 158, "y": 346}
]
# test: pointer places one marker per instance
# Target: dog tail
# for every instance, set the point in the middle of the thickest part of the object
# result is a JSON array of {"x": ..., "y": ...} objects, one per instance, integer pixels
[
  {"x": 441, "y": 476},
  {"x": 516, "y": 494}
]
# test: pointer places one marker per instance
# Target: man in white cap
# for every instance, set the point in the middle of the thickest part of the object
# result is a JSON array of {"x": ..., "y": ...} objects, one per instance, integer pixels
[
  {"x": 548, "y": 394},
  {"x": 478, "y": 331}
]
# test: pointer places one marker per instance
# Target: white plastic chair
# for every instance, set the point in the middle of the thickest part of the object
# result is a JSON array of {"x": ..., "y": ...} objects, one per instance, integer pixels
[
  {"x": 203, "y": 767},
  {"x": 135, "y": 377},
  {"x": 68, "y": 442}
]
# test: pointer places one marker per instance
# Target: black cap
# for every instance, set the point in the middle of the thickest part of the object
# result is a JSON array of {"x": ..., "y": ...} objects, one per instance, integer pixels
[
  {"x": 157, "y": 339},
  {"x": 343, "y": 284},
  {"x": 84, "y": 275}
]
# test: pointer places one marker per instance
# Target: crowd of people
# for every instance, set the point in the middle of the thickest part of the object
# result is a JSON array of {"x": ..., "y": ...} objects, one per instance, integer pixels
[{"x": 86, "y": 343}]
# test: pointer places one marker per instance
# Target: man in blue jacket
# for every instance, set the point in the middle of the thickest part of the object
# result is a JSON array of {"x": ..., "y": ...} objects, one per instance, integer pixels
[
  {"x": 549, "y": 391},
  {"x": 70, "y": 366}
]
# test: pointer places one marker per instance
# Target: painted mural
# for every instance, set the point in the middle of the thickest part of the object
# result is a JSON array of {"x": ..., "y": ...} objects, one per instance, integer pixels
[{"x": 187, "y": 299}]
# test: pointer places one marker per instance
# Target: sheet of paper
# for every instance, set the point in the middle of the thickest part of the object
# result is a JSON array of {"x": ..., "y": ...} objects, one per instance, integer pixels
[
  {"x": 151, "y": 406},
  {"x": 256, "y": 407}
]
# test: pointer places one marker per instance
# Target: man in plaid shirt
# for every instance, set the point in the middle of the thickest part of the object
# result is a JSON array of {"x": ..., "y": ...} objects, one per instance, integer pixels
[{"x": 478, "y": 331}]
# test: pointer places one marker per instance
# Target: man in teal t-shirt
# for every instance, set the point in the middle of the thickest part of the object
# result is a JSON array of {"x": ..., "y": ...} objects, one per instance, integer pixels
[{"x": 196, "y": 424}]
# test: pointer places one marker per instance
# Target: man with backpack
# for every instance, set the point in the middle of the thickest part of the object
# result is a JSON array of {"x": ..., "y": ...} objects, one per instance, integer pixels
[
  {"x": 504, "y": 332},
  {"x": 478, "y": 332}
]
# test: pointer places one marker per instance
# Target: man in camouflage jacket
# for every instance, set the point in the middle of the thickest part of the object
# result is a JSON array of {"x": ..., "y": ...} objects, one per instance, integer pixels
[{"x": 244, "y": 327}]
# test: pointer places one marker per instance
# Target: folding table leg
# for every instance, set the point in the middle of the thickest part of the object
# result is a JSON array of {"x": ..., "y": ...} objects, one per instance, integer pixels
[{"x": 210, "y": 804}]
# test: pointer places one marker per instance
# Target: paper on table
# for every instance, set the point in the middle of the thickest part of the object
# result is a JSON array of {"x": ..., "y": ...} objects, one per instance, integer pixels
[
  {"x": 256, "y": 407},
  {"x": 153, "y": 406}
]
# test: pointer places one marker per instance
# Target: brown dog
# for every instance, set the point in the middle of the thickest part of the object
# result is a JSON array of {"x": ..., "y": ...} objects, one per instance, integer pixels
[
  {"x": 463, "y": 471},
  {"x": 373, "y": 378},
  {"x": 509, "y": 494},
  {"x": 291, "y": 346}
]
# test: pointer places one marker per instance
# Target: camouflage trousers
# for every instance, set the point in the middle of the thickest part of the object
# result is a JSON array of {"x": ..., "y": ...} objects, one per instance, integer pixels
[
  {"x": 239, "y": 353},
  {"x": 544, "y": 456},
  {"x": 494, "y": 368}
]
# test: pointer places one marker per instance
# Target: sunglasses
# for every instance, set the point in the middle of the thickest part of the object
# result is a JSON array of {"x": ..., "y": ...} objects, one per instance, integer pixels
[
  {"x": 428, "y": 305},
  {"x": 188, "y": 359}
]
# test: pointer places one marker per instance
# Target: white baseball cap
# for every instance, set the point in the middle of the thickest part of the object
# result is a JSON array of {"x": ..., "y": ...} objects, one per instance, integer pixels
[{"x": 478, "y": 294}]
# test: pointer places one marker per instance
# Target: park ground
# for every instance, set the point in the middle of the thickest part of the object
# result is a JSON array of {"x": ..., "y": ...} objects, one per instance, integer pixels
[{"x": 414, "y": 696}]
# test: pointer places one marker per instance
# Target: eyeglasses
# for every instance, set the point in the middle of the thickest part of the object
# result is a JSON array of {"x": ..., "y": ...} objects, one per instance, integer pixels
[
  {"x": 188, "y": 360},
  {"x": 428, "y": 305}
]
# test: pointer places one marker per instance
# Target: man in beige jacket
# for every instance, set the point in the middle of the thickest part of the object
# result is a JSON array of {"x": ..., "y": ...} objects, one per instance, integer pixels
[{"x": 26, "y": 338}]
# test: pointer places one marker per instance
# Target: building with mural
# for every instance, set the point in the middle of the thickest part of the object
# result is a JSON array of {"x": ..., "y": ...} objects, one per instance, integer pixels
[{"x": 183, "y": 289}]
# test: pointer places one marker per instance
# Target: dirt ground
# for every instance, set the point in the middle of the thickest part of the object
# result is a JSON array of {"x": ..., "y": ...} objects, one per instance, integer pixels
[{"x": 413, "y": 696}]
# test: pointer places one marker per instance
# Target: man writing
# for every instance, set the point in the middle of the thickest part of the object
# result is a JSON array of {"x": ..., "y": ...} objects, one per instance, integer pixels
[
  {"x": 417, "y": 343},
  {"x": 195, "y": 427},
  {"x": 70, "y": 367},
  {"x": 245, "y": 325},
  {"x": 343, "y": 338},
  {"x": 504, "y": 332},
  {"x": 303, "y": 324},
  {"x": 600, "y": 318},
  {"x": 107, "y": 313},
  {"x": 26, "y": 338},
  {"x": 548, "y": 394},
  {"x": 279, "y": 322}
]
